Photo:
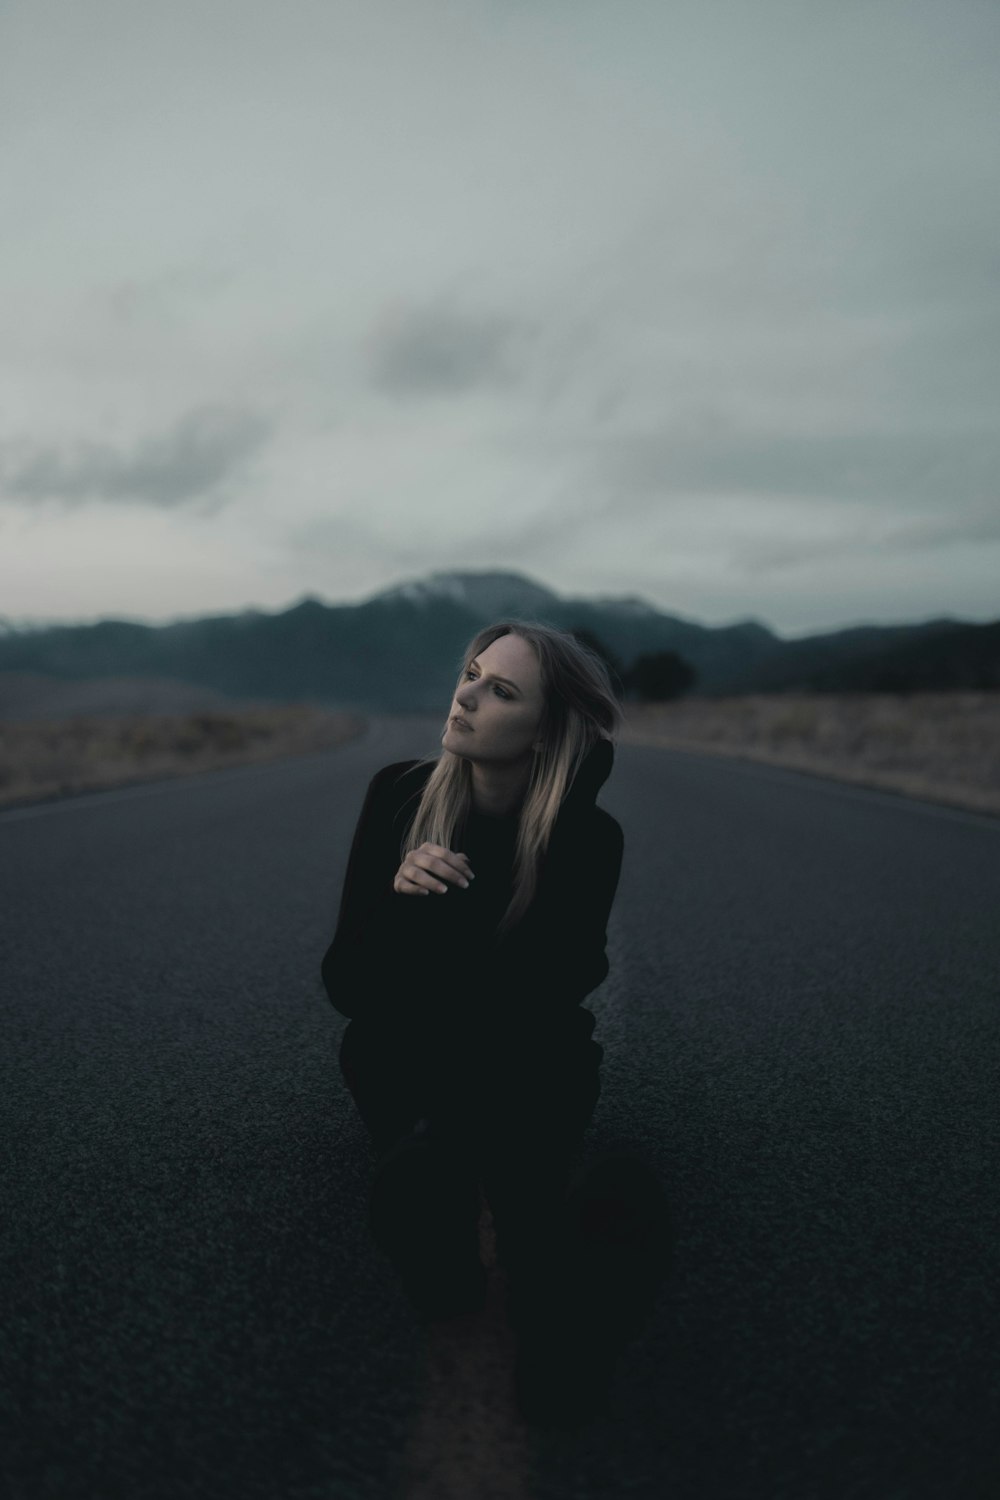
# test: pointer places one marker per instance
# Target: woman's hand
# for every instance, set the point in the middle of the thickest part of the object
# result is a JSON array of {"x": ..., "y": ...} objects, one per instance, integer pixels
[{"x": 425, "y": 869}]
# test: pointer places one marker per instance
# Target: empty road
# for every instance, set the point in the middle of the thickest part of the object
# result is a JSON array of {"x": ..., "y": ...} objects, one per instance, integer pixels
[{"x": 801, "y": 1028}]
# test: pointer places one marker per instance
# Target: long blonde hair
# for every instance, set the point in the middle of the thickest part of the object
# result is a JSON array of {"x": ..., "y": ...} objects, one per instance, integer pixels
[{"x": 580, "y": 708}]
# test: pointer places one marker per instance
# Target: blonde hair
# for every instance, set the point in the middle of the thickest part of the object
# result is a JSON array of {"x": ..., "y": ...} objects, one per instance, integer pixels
[{"x": 580, "y": 707}]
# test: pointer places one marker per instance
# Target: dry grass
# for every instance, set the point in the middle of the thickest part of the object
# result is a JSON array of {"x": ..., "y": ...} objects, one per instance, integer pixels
[
  {"x": 47, "y": 758},
  {"x": 941, "y": 746}
]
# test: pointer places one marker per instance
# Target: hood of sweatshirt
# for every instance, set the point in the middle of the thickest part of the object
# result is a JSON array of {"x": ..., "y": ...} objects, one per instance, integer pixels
[
  {"x": 592, "y": 773},
  {"x": 578, "y": 812}
]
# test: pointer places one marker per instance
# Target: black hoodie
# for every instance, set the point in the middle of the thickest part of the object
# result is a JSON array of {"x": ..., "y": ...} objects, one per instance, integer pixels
[{"x": 431, "y": 965}]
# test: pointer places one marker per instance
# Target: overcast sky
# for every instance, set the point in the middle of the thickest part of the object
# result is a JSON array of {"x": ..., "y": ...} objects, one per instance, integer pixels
[{"x": 698, "y": 302}]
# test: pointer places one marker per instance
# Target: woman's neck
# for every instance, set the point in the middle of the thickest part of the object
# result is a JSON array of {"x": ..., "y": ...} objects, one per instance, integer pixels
[{"x": 499, "y": 792}]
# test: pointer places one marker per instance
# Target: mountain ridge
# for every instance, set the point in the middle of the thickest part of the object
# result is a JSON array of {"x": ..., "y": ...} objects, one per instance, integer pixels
[{"x": 399, "y": 648}]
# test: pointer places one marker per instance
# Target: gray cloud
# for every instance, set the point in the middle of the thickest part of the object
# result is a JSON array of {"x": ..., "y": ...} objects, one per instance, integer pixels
[
  {"x": 952, "y": 529},
  {"x": 339, "y": 536},
  {"x": 906, "y": 467},
  {"x": 697, "y": 302},
  {"x": 440, "y": 351},
  {"x": 183, "y": 464},
  {"x": 166, "y": 298},
  {"x": 871, "y": 538}
]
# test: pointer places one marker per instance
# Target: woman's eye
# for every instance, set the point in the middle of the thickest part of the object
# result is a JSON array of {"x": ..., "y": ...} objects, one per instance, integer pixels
[{"x": 502, "y": 691}]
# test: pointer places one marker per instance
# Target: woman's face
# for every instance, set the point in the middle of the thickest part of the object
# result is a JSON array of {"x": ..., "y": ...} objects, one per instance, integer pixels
[{"x": 504, "y": 716}]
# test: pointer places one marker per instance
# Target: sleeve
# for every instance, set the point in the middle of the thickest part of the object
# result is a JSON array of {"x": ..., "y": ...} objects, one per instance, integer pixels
[
  {"x": 357, "y": 968},
  {"x": 562, "y": 955}
]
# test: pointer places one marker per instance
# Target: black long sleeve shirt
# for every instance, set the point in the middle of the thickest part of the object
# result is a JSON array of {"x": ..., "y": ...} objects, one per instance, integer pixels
[{"x": 432, "y": 963}]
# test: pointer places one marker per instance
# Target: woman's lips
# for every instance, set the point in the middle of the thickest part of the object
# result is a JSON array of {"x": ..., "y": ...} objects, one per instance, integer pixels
[{"x": 460, "y": 724}]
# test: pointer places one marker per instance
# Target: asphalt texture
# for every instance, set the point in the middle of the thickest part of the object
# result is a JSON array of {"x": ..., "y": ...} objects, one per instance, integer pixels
[{"x": 801, "y": 1029}]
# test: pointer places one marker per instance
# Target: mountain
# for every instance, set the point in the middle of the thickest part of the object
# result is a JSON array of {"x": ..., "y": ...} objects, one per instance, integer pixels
[
  {"x": 486, "y": 594},
  {"x": 400, "y": 649}
]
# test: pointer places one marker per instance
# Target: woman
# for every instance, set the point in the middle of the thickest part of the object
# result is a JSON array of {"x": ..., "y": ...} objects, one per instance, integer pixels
[{"x": 471, "y": 926}]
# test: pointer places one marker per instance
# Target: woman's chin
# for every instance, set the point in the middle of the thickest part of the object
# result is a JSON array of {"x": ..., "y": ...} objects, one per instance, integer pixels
[{"x": 452, "y": 738}]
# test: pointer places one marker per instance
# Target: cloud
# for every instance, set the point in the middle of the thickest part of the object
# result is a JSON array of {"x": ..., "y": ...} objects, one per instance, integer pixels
[
  {"x": 169, "y": 296},
  {"x": 870, "y": 537},
  {"x": 905, "y": 468},
  {"x": 953, "y": 529},
  {"x": 347, "y": 536},
  {"x": 186, "y": 462},
  {"x": 440, "y": 351}
]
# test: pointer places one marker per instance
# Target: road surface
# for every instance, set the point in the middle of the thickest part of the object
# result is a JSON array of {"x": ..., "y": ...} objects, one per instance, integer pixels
[{"x": 800, "y": 1027}]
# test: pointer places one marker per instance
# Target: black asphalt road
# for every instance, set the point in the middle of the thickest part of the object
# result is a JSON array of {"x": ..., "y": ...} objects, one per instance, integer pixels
[{"x": 800, "y": 1028}]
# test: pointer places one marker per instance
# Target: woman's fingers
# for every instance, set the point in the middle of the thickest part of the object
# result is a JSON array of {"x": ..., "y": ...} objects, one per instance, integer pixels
[
  {"x": 430, "y": 868},
  {"x": 444, "y": 863},
  {"x": 441, "y": 871},
  {"x": 412, "y": 880}
]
